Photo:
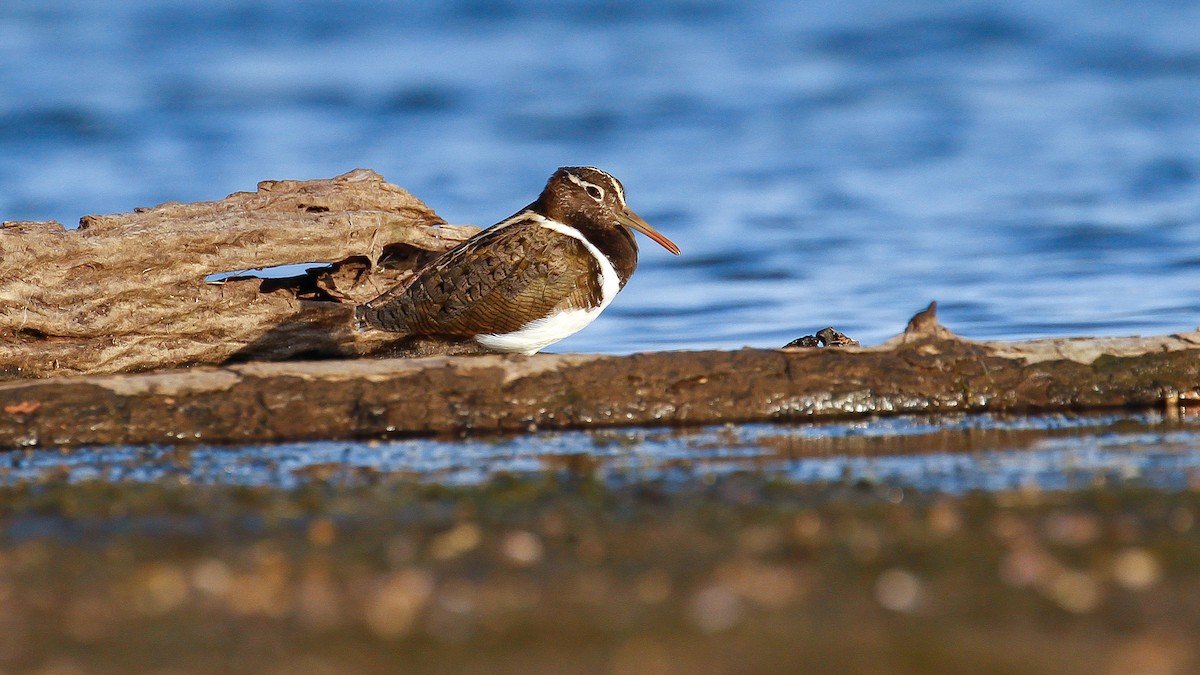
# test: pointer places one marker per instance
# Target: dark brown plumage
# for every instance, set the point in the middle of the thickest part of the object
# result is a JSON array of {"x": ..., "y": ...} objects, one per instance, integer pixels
[{"x": 529, "y": 280}]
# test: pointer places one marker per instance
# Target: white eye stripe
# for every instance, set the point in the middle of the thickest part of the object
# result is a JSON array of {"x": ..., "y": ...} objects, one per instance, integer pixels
[
  {"x": 585, "y": 185},
  {"x": 616, "y": 184}
]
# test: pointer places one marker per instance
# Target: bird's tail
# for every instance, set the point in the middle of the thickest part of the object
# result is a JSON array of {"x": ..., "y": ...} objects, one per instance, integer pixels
[{"x": 382, "y": 317}]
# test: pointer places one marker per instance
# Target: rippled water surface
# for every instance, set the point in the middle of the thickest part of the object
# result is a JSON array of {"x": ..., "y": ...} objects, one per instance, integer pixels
[
  {"x": 950, "y": 454},
  {"x": 1033, "y": 166}
]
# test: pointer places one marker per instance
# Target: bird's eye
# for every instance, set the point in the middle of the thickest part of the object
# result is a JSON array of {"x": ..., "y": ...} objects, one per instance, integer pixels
[{"x": 595, "y": 192}]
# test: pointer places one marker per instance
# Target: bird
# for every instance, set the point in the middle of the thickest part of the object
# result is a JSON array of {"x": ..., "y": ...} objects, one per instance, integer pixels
[{"x": 530, "y": 280}]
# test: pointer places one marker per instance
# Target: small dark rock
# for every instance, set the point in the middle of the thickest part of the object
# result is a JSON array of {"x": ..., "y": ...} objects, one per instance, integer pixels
[
  {"x": 832, "y": 338},
  {"x": 803, "y": 342},
  {"x": 826, "y": 337}
]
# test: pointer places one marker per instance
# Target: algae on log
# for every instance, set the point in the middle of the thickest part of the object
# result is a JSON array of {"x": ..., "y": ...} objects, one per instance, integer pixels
[
  {"x": 925, "y": 370},
  {"x": 128, "y": 293}
]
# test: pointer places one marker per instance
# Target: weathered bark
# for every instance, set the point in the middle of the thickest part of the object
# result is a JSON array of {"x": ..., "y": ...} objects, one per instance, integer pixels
[
  {"x": 925, "y": 370},
  {"x": 128, "y": 293}
]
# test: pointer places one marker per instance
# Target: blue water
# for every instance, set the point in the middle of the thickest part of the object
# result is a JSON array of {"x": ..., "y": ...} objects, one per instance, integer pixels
[
  {"x": 952, "y": 454},
  {"x": 1033, "y": 166}
]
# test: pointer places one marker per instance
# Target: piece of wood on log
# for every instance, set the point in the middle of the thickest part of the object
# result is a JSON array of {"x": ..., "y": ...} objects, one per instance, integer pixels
[
  {"x": 128, "y": 293},
  {"x": 926, "y": 370}
]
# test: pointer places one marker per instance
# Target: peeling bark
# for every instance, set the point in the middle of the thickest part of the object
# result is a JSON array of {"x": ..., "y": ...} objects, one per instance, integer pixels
[{"x": 127, "y": 293}]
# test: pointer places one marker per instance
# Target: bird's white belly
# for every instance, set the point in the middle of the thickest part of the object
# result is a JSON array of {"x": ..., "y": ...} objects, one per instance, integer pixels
[{"x": 541, "y": 333}]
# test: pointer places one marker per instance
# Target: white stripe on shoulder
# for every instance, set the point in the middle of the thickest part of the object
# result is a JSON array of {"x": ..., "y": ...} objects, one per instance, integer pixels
[
  {"x": 525, "y": 216},
  {"x": 610, "y": 283}
]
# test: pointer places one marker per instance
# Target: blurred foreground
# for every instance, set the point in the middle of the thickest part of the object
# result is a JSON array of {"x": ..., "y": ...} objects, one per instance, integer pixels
[{"x": 610, "y": 562}]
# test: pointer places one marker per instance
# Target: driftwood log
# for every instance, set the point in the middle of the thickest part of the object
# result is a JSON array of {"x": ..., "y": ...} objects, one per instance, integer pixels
[
  {"x": 925, "y": 370},
  {"x": 128, "y": 293}
]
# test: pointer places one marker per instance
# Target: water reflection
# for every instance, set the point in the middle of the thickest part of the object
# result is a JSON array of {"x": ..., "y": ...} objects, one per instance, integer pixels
[{"x": 946, "y": 454}]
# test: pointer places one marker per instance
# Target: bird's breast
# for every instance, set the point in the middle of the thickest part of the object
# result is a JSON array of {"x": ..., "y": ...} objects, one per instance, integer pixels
[{"x": 561, "y": 323}]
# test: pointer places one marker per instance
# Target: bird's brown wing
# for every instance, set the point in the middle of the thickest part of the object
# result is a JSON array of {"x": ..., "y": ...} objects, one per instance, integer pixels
[{"x": 493, "y": 283}]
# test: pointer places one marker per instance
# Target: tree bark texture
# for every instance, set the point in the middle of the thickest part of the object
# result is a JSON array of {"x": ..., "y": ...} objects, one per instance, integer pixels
[
  {"x": 925, "y": 370},
  {"x": 127, "y": 293}
]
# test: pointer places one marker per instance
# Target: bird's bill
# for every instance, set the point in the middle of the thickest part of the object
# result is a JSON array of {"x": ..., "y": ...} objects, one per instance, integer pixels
[{"x": 632, "y": 220}]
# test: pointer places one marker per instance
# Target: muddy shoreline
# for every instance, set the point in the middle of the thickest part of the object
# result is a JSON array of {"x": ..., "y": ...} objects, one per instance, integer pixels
[{"x": 569, "y": 575}]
